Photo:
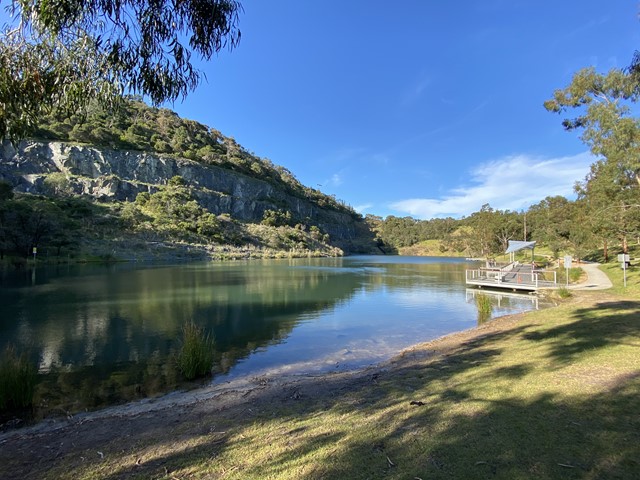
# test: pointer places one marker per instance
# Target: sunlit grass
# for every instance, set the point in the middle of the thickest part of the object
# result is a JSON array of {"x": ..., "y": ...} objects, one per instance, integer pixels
[
  {"x": 550, "y": 394},
  {"x": 616, "y": 275},
  {"x": 514, "y": 405}
]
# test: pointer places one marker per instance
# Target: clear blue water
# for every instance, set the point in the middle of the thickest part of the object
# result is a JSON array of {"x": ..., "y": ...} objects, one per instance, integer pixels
[{"x": 105, "y": 334}]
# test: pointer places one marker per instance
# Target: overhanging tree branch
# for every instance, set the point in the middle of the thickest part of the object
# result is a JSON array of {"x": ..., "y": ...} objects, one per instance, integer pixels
[{"x": 66, "y": 53}]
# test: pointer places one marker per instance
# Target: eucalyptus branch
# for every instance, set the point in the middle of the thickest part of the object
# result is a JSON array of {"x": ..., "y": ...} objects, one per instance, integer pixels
[{"x": 74, "y": 51}]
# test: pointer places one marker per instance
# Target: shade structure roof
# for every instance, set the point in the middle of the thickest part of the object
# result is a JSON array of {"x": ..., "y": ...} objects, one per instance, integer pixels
[{"x": 516, "y": 245}]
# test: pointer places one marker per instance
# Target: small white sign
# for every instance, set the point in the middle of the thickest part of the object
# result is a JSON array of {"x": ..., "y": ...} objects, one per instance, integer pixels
[
  {"x": 567, "y": 261},
  {"x": 623, "y": 257}
]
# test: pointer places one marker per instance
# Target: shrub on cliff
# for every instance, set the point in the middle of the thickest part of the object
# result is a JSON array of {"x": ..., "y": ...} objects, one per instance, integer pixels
[{"x": 173, "y": 210}]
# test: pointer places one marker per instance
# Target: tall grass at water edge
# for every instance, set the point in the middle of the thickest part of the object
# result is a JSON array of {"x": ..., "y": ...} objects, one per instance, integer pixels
[
  {"x": 18, "y": 376},
  {"x": 196, "y": 354},
  {"x": 483, "y": 302}
]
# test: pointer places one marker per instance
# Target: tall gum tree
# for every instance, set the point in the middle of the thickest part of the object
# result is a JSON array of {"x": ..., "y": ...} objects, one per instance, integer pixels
[{"x": 604, "y": 105}]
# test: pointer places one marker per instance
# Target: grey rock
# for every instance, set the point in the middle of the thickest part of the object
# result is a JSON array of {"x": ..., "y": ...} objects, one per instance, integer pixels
[{"x": 117, "y": 175}]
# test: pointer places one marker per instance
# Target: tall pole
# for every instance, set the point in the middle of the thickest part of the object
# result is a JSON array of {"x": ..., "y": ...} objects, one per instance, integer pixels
[{"x": 525, "y": 226}]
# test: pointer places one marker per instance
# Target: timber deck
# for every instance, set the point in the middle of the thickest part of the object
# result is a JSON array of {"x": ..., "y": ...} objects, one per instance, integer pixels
[{"x": 514, "y": 276}]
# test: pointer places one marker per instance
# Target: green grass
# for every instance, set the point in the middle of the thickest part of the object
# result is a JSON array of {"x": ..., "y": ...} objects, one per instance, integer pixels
[
  {"x": 551, "y": 394},
  {"x": 616, "y": 275},
  {"x": 429, "y": 248},
  {"x": 18, "y": 376},
  {"x": 196, "y": 354},
  {"x": 555, "y": 396},
  {"x": 564, "y": 292}
]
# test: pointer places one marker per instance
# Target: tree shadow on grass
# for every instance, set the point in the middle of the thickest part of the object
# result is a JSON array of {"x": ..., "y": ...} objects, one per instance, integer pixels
[
  {"x": 545, "y": 437},
  {"x": 605, "y": 324},
  {"x": 421, "y": 428}
]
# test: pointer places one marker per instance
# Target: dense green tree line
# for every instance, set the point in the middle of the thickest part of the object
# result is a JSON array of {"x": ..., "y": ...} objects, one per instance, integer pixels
[
  {"x": 557, "y": 223},
  {"x": 407, "y": 231}
]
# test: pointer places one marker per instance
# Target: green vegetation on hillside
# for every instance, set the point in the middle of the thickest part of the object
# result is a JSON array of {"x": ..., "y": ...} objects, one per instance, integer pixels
[
  {"x": 137, "y": 126},
  {"x": 172, "y": 210},
  {"x": 62, "y": 224},
  {"x": 166, "y": 223},
  {"x": 28, "y": 222},
  {"x": 560, "y": 227}
]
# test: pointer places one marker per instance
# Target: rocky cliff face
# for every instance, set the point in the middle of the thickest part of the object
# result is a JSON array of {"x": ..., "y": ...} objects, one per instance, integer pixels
[{"x": 110, "y": 175}]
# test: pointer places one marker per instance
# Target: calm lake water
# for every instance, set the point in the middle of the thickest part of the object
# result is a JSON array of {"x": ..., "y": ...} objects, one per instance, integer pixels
[{"x": 106, "y": 334}]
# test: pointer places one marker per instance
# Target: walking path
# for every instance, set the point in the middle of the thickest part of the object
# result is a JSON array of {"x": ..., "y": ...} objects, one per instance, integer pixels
[{"x": 596, "y": 278}]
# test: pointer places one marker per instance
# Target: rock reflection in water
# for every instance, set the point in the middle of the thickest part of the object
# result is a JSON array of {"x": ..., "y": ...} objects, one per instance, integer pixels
[{"x": 106, "y": 334}]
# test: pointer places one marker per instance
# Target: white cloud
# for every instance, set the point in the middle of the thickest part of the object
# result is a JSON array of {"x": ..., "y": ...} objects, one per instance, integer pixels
[
  {"x": 511, "y": 183},
  {"x": 335, "y": 180},
  {"x": 416, "y": 90},
  {"x": 362, "y": 208}
]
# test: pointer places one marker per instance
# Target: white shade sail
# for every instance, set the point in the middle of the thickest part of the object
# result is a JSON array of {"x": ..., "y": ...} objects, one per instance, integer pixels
[{"x": 517, "y": 245}]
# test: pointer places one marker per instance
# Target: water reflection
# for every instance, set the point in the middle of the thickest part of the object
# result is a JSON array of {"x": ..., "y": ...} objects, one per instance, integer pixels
[
  {"x": 104, "y": 334},
  {"x": 491, "y": 304}
]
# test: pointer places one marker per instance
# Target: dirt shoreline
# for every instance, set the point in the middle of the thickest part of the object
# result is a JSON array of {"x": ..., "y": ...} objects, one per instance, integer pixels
[{"x": 89, "y": 438}]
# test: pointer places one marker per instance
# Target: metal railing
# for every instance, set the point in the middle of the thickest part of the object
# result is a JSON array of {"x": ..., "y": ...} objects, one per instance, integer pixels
[{"x": 510, "y": 275}]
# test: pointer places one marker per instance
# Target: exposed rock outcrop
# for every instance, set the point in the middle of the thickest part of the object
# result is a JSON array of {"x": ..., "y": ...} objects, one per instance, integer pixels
[{"x": 116, "y": 175}]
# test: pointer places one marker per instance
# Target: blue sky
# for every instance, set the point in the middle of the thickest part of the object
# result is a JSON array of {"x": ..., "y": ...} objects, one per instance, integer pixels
[
  {"x": 417, "y": 107},
  {"x": 421, "y": 108}
]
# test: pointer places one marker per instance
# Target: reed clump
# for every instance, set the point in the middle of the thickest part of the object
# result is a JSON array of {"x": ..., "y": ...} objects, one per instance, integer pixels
[
  {"x": 483, "y": 302},
  {"x": 564, "y": 292},
  {"x": 196, "y": 354},
  {"x": 18, "y": 377}
]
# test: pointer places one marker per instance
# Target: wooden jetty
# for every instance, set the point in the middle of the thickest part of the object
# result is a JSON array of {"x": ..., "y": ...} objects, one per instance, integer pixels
[{"x": 512, "y": 276}]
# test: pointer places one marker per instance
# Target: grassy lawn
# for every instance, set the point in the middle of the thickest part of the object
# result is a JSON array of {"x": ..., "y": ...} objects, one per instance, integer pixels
[
  {"x": 546, "y": 398},
  {"x": 551, "y": 394},
  {"x": 616, "y": 274}
]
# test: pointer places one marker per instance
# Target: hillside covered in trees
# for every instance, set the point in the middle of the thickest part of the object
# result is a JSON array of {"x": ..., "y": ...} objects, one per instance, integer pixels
[
  {"x": 136, "y": 126},
  {"x": 113, "y": 183},
  {"x": 559, "y": 224},
  {"x": 142, "y": 182},
  {"x": 556, "y": 223}
]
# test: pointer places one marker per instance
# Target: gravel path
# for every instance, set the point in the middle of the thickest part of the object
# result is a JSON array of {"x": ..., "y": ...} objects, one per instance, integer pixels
[{"x": 596, "y": 278}]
